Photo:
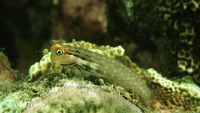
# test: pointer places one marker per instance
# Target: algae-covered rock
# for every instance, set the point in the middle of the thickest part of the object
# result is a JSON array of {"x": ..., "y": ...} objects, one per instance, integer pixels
[
  {"x": 52, "y": 88},
  {"x": 78, "y": 96},
  {"x": 64, "y": 90},
  {"x": 179, "y": 95},
  {"x": 14, "y": 102},
  {"x": 59, "y": 92},
  {"x": 7, "y": 74}
]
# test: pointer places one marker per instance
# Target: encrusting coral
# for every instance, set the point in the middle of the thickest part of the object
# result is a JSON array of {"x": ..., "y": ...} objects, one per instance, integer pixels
[
  {"x": 91, "y": 63},
  {"x": 45, "y": 65},
  {"x": 181, "y": 96},
  {"x": 167, "y": 94},
  {"x": 173, "y": 94},
  {"x": 180, "y": 25}
]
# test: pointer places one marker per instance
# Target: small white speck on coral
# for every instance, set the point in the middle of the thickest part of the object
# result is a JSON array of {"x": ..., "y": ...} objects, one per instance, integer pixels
[
  {"x": 70, "y": 83},
  {"x": 54, "y": 89}
]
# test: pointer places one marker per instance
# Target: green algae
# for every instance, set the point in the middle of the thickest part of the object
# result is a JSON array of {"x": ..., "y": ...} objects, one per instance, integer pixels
[
  {"x": 14, "y": 102},
  {"x": 24, "y": 94}
]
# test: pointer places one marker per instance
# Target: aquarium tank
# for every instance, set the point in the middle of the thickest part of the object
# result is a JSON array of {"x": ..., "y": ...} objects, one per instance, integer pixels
[{"x": 99, "y": 56}]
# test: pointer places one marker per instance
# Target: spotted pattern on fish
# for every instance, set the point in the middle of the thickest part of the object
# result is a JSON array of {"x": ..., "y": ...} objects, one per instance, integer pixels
[{"x": 95, "y": 64}]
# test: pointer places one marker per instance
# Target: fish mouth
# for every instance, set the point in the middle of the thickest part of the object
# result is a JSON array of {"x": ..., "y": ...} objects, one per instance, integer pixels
[{"x": 71, "y": 64}]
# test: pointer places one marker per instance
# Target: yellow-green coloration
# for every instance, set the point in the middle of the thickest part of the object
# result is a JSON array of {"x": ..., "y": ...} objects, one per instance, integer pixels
[
  {"x": 183, "y": 96},
  {"x": 14, "y": 102},
  {"x": 170, "y": 93},
  {"x": 103, "y": 50},
  {"x": 99, "y": 65},
  {"x": 45, "y": 66},
  {"x": 182, "y": 35},
  {"x": 77, "y": 96}
]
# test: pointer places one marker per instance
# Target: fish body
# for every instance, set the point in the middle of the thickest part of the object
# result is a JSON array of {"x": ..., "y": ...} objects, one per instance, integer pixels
[{"x": 96, "y": 64}]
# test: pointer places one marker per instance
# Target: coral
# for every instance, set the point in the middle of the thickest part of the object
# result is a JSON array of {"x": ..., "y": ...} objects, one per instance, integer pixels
[
  {"x": 45, "y": 66},
  {"x": 177, "y": 38},
  {"x": 103, "y": 50},
  {"x": 166, "y": 94},
  {"x": 87, "y": 98},
  {"x": 98, "y": 65},
  {"x": 91, "y": 63},
  {"x": 179, "y": 95},
  {"x": 186, "y": 60},
  {"x": 169, "y": 93},
  {"x": 181, "y": 23}
]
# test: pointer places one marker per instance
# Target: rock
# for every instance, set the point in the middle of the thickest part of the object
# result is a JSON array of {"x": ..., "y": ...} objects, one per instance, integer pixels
[
  {"x": 7, "y": 74},
  {"x": 78, "y": 96}
]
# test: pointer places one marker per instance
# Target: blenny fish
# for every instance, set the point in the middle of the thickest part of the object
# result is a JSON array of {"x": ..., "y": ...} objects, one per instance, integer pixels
[{"x": 96, "y": 64}]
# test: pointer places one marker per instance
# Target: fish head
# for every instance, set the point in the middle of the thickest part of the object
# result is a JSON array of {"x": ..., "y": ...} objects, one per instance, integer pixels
[{"x": 61, "y": 54}]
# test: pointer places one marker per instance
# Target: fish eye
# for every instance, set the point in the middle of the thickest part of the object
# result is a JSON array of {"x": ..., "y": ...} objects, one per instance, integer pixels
[{"x": 59, "y": 52}]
